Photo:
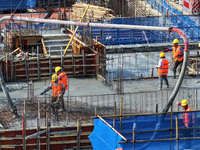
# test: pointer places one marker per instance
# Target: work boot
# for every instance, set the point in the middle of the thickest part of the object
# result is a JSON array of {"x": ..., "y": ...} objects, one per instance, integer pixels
[
  {"x": 174, "y": 75},
  {"x": 160, "y": 87},
  {"x": 60, "y": 109},
  {"x": 16, "y": 116}
]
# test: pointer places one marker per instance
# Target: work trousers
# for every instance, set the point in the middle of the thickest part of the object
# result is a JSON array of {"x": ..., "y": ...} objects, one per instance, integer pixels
[
  {"x": 176, "y": 64},
  {"x": 56, "y": 104},
  {"x": 161, "y": 78},
  {"x": 187, "y": 133}
]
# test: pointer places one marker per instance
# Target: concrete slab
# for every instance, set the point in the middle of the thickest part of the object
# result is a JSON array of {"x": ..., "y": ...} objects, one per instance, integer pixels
[
  {"x": 92, "y": 86},
  {"x": 148, "y": 8},
  {"x": 153, "y": 84},
  {"x": 177, "y": 6},
  {"x": 77, "y": 87}
]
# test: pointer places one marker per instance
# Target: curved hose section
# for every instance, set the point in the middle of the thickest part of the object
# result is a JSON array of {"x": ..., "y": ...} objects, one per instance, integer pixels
[
  {"x": 177, "y": 86},
  {"x": 5, "y": 18},
  {"x": 181, "y": 76}
]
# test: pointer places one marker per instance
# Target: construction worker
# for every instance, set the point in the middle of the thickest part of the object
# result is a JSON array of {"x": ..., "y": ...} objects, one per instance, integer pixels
[
  {"x": 177, "y": 54},
  {"x": 58, "y": 90},
  {"x": 163, "y": 70},
  {"x": 188, "y": 118},
  {"x": 63, "y": 77}
]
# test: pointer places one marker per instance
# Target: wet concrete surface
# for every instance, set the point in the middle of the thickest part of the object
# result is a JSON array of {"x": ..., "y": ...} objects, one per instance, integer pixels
[{"x": 93, "y": 86}]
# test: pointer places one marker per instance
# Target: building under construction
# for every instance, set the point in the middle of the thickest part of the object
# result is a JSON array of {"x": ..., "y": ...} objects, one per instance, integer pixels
[{"x": 109, "y": 50}]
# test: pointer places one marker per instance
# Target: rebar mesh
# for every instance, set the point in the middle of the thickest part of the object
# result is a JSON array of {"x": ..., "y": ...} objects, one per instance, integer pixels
[{"x": 84, "y": 107}]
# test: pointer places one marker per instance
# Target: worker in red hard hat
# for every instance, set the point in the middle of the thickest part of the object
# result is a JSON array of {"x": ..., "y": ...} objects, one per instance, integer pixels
[
  {"x": 188, "y": 118},
  {"x": 62, "y": 76},
  {"x": 177, "y": 54},
  {"x": 163, "y": 70}
]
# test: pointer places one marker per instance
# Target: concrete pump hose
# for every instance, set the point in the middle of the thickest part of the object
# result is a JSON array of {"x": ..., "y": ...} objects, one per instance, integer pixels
[{"x": 176, "y": 88}]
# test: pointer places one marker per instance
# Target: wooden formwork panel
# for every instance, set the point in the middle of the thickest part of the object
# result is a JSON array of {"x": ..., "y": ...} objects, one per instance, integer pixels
[
  {"x": 12, "y": 139},
  {"x": 34, "y": 69}
]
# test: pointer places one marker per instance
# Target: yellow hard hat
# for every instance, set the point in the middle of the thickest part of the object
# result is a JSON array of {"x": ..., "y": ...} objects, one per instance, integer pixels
[
  {"x": 175, "y": 41},
  {"x": 54, "y": 77},
  {"x": 184, "y": 102},
  {"x": 162, "y": 54},
  {"x": 57, "y": 69}
]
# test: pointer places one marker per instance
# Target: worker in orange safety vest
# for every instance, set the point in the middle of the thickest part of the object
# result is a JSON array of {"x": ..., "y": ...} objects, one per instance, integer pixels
[
  {"x": 163, "y": 70},
  {"x": 188, "y": 118},
  {"x": 58, "y": 90},
  {"x": 177, "y": 54},
  {"x": 63, "y": 77}
]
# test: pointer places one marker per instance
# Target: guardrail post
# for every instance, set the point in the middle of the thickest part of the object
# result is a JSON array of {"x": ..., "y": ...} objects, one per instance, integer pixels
[
  {"x": 38, "y": 63},
  {"x": 83, "y": 55},
  {"x": 38, "y": 126},
  {"x": 78, "y": 134},
  {"x": 50, "y": 63}
]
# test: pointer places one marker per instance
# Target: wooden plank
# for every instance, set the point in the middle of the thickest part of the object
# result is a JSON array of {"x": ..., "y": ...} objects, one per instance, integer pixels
[
  {"x": 76, "y": 29},
  {"x": 15, "y": 51},
  {"x": 43, "y": 46},
  {"x": 51, "y": 143}
]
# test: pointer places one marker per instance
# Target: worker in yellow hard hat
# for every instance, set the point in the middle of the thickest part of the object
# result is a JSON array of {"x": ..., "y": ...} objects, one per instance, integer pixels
[
  {"x": 58, "y": 90},
  {"x": 62, "y": 76},
  {"x": 188, "y": 118},
  {"x": 177, "y": 54},
  {"x": 163, "y": 70}
]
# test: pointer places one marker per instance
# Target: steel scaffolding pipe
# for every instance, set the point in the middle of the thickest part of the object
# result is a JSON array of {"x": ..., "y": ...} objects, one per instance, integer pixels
[{"x": 135, "y": 27}]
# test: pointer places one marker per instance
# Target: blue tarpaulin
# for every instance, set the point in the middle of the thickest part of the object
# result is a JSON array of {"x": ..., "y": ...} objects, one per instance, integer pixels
[
  {"x": 103, "y": 137},
  {"x": 13, "y": 4}
]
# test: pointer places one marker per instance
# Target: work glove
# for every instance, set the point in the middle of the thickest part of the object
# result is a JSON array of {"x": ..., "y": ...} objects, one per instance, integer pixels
[
  {"x": 166, "y": 50},
  {"x": 179, "y": 104},
  {"x": 41, "y": 93},
  {"x": 180, "y": 54}
]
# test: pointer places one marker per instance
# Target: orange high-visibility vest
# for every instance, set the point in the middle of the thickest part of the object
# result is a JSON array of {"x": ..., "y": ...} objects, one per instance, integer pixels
[
  {"x": 57, "y": 88},
  {"x": 164, "y": 69},
  {"x": 177, "y": 51},
  {"x": 188, "y": 118},
  {"x": 63, "y": 78}
]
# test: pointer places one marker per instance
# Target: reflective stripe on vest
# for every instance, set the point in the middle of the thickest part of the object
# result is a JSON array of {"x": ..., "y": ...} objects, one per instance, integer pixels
[
  {"x": 63, "y": 78},
  {"x": 164, "y": 69},
  {"x": 188, "y": 118},
  {"x": 177, "y": 51},
  {"x": 57, "y": 88}
]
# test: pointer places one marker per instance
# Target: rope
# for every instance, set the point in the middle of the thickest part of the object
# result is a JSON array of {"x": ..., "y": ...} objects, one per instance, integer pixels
[{"x": 16, "y": 8}]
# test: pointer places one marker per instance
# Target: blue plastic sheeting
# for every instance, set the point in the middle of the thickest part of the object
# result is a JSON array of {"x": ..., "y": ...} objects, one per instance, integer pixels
[
  {"x": 164, "y": 7},
  {"x": 103, "y": 137},
  {"x": 149, "y": 123},
  {"x": 110, "y": 36},
  {"x": 185, "y": 21},
  {"x": 188, "y": 24},
  {"x": 12, "y": 4}
]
